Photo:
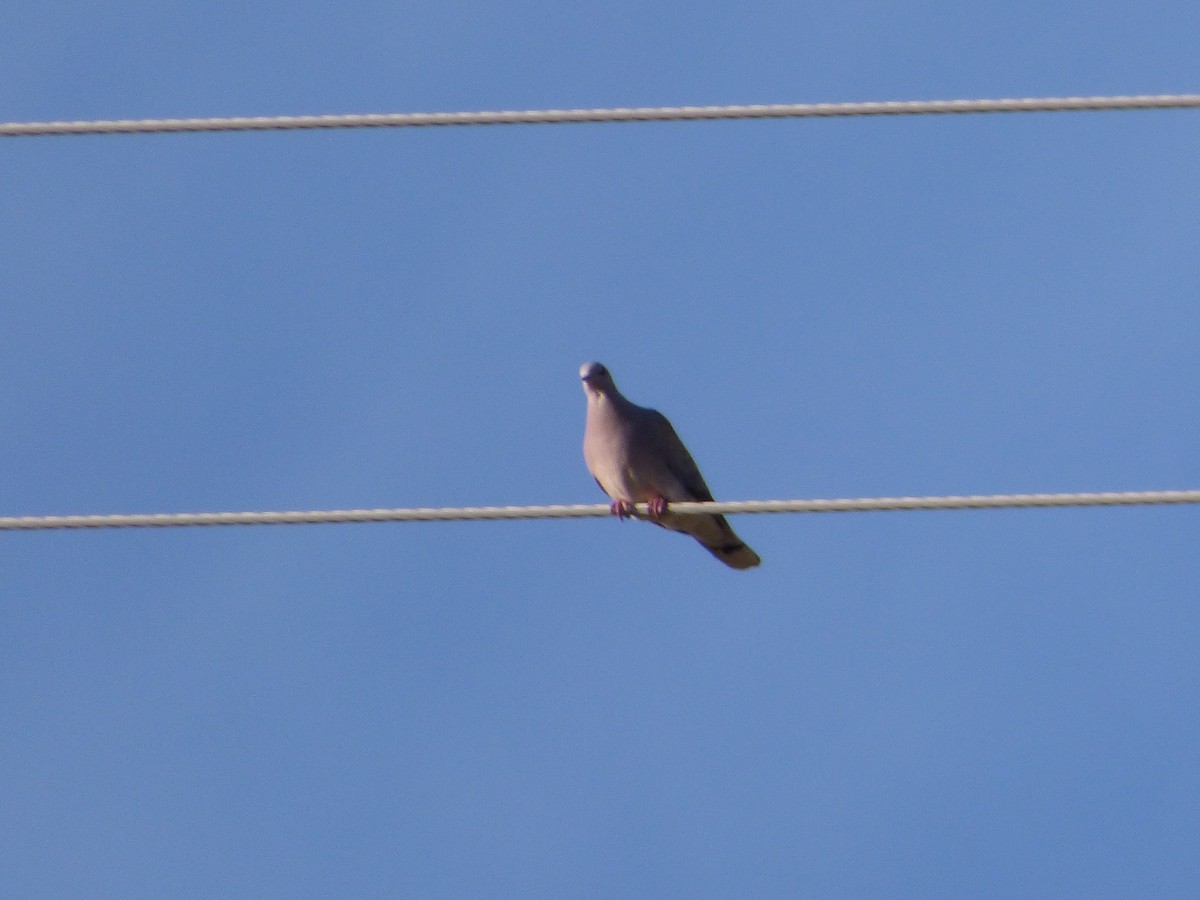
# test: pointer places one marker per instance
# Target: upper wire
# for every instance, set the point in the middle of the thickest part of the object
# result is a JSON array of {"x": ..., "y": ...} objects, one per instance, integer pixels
[{"x": 620, "y": 114}]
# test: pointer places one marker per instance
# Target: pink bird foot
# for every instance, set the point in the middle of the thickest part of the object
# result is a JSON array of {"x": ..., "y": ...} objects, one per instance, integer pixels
[
  {"x": 622, "y": 509},
  {"x": 657, "y": 508}
]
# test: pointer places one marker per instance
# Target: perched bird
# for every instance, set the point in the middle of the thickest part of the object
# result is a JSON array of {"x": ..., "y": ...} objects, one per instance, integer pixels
[{"x": 636, "y": 457}]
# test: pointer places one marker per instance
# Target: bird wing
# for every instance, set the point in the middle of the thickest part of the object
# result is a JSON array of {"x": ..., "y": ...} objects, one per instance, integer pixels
[{"x": 677, "y": 458}]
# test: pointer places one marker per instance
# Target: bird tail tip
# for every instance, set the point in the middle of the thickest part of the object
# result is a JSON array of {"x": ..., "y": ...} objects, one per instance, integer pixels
[{"x": 736, "y": 556}]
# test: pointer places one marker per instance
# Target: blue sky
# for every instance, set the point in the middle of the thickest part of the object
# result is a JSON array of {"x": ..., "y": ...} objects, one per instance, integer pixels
[{"x": 901, "y": 704}]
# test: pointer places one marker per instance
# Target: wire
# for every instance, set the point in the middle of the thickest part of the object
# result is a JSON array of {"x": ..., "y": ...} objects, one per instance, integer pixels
[
  {"x": 476, "y": 513},
  {"x": 637, "y": 114}
]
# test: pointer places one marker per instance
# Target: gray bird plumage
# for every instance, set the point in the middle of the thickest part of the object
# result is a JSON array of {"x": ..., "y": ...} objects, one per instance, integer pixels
[{"x": 636, "y": 457}]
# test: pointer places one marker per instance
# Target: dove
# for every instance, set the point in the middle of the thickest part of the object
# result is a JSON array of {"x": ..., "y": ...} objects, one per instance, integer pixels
[{"x": 636, "y": 457}]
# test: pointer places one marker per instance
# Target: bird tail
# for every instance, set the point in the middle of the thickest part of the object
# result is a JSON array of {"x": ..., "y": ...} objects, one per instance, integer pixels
[{"x": 729, "y": 548}]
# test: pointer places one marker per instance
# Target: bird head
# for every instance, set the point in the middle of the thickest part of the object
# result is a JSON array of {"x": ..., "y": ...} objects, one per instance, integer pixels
[{"x": 596, "y": 379}]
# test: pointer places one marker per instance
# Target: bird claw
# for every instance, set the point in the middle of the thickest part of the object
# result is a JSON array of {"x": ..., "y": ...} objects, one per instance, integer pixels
[
  {"x": 657, "y": 507},
  {"x": 622, "y": 509}
]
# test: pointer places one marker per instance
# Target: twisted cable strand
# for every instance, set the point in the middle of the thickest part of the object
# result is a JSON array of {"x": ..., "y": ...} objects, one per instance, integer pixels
[
  {"x": 616, "y": 114},
  {"x": 492, "y": 513}
]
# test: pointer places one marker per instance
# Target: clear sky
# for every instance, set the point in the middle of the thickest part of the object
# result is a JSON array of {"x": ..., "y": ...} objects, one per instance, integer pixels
[{"x": 894, "y": 705}]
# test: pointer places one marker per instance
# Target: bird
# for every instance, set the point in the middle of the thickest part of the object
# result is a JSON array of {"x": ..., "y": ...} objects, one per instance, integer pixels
[{"x": 636, "y": 457}]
